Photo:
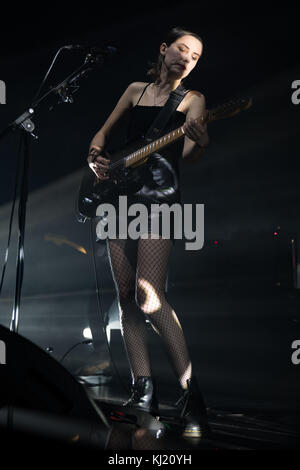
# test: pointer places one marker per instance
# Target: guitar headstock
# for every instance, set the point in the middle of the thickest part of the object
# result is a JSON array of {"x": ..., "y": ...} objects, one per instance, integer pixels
[{"x": 229, "y": 109}]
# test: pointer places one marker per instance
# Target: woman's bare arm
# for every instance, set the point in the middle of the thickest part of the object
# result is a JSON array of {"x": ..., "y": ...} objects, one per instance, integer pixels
[
  {"x": 196, "y": 134},
  {"x": 98, "y": 163}
]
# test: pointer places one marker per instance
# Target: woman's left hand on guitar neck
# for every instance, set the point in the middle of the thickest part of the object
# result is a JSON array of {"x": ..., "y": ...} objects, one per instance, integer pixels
[{"x": 196, "y": 132}]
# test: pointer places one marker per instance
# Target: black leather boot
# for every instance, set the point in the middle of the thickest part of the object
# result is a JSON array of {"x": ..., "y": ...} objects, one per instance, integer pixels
[
  {"x": 143, "y": 396},
  {"x": 193, "y": 413}
]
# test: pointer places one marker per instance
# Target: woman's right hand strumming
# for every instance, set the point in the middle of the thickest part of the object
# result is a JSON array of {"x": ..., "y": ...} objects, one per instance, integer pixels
[{"x": 98, "y": 163}]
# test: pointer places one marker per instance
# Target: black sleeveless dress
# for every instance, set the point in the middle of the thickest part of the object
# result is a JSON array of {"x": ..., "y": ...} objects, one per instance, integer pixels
[{"x": 161, "y": 171}]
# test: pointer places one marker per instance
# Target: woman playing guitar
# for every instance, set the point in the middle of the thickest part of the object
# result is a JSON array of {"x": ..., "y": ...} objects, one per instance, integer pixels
[{"x": 139, "y": 267}]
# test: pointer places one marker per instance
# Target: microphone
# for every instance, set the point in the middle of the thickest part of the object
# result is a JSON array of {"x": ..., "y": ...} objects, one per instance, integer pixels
[{"x": 106, "y": 50}]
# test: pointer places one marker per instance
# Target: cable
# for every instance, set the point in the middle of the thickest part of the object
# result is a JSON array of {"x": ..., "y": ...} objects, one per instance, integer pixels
[
  {"x": 18, "y": 171},
  {"x": 11, "y": 215},
  {"x": 86, "y": 341},
  {"x": 47, "y": 74},
  {"x": 100, "y": 309}
]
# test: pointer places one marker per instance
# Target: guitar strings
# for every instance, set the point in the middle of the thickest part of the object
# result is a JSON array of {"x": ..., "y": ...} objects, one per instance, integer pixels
[{"x": 211, "y": 115}]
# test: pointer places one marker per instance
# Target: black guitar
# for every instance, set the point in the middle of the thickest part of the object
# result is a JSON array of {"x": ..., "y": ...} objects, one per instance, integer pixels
[{"x": 125, "y": 176}]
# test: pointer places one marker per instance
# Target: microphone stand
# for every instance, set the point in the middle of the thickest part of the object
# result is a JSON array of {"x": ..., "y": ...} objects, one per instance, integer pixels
[{"x": 64, "y": 90}]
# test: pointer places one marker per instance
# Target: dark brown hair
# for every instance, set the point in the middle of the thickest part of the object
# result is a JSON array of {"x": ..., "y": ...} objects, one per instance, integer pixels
[{"x": 171, "y": 36}]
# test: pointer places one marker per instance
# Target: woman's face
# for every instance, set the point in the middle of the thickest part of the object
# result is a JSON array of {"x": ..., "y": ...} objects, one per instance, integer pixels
[{"x": 181, "y": 56}]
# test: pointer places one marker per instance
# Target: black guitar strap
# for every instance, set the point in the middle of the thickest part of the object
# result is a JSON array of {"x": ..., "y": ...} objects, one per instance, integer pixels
[{"x": 176, "y": 96}]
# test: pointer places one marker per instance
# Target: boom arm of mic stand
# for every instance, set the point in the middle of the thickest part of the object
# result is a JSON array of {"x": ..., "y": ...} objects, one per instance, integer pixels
[
  {"x": 26, "y": 125},
  {"x": 24, "y": 120},
  {"x": 91, "y": 62}
]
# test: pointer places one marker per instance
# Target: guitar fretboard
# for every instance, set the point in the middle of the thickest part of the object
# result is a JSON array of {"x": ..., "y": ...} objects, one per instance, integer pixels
[
  {"x": 153, "y": 147},
  {"x": 228, "y": 109}
]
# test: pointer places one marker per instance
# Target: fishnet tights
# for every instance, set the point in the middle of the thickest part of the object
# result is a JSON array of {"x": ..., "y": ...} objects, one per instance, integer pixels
[{"x": 139, "y": 269}]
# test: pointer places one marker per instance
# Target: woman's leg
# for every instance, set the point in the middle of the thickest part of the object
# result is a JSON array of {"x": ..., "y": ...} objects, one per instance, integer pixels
[
  {"x": 152, "y": 267},
  {"x": 133, "y": 326}
]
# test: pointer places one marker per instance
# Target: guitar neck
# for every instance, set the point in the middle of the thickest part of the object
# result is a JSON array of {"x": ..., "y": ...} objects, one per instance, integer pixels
[
  {"x": 156, "y": 145},
  {"x": 229, "y": 109}
]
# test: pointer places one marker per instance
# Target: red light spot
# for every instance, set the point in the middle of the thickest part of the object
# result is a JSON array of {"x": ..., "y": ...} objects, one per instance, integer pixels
[
  {"x": 216, "y": 242},
  {"x": 115, "y": 418}
]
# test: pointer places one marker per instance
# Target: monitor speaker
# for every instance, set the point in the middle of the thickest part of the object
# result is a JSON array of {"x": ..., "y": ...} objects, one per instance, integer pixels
[{"x": 39, "y": 396}]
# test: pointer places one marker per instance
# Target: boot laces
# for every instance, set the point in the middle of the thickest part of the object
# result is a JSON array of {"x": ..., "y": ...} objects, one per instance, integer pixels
[
  {"x": 138, "y": 390},
  {"x": 137, "y": 394},
  {"x": 184, "y": 399}
]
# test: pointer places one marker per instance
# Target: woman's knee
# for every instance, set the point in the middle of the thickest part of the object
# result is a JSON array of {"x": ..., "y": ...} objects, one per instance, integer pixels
[
  {"x": 148, "y": 297},
  {"x": 130, "y": 312}
]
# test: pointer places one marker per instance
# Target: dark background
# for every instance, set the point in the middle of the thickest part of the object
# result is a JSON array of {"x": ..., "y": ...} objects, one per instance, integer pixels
[
  {"x": 237, "y": 300},
  {"x": 243, "y": 48}
]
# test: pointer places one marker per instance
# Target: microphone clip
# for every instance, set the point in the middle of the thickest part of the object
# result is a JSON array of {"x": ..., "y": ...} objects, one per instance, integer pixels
[
  {"x": 65, "y": 95},
  {"x": 94, "y": 59}
]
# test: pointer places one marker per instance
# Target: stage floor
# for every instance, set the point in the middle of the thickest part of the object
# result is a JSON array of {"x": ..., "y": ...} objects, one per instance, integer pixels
[{"x": 242, "y": 429}]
